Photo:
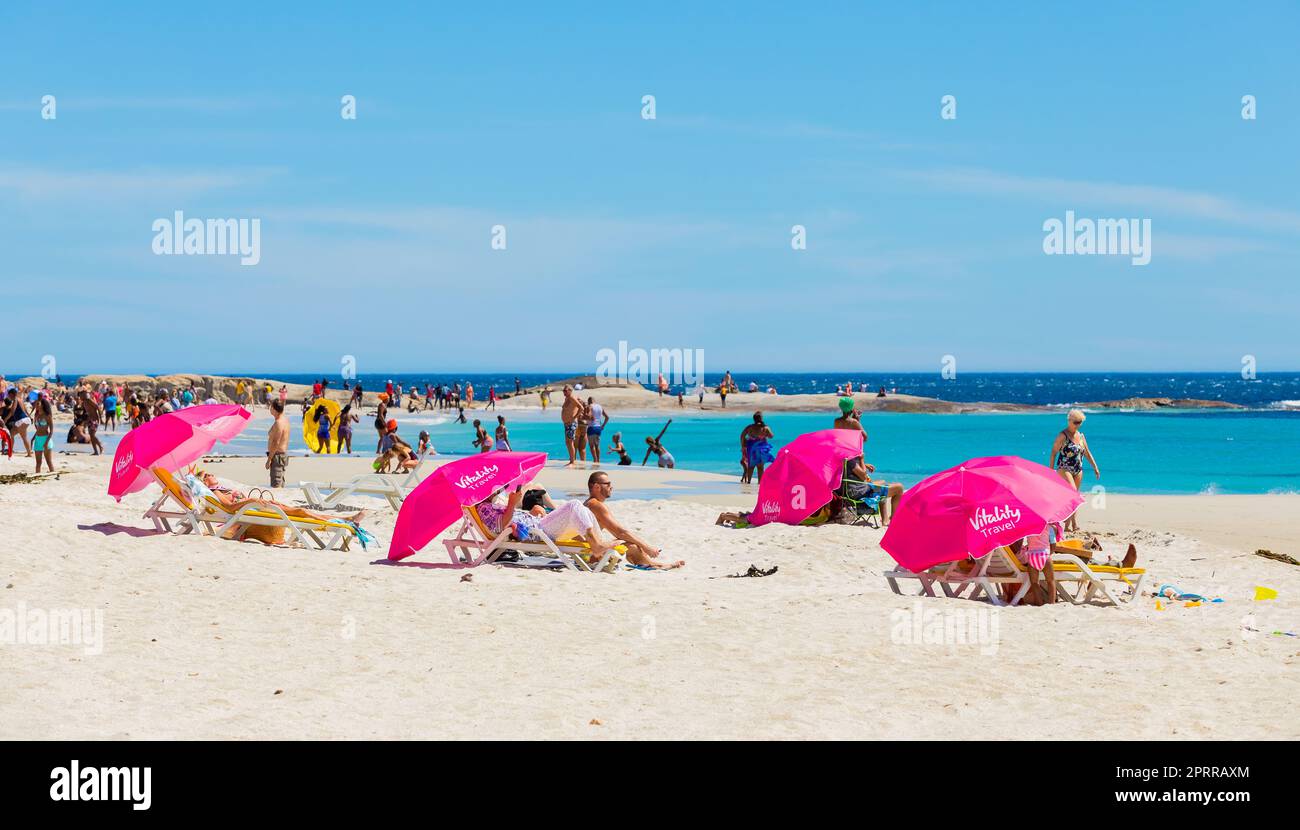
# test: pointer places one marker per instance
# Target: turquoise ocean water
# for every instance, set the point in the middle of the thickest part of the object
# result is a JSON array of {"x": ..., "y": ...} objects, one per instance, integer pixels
[
  {"x": 1139, "y": 452},
  {"x": 1256, "y": 450}
]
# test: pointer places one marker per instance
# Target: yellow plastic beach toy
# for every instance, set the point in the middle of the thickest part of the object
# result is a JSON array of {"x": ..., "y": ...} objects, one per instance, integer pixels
[
  {"x": 1262, "y": 593},
  {"x": 309, "y": 425}
]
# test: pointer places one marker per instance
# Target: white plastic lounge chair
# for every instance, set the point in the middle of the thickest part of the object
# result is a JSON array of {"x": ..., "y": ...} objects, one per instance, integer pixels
[
  {"x": 475, "y": 544},
  {"x": 1080, "y": 582},
  {"x": 1077, "y": 581},
  {"x": 326, "y": 495},
  {"x": 196, "y": 513},
  {"x": 982, "y": 576},
  {"x": 339, "y": 534},
  {"x": 175, "y": 505}
]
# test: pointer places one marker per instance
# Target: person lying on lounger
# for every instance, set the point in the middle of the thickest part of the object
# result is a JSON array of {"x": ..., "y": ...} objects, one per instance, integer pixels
[
  {"x": 1090, "y": 551},
  {"x": 729, "y": 518},
  {"x": 568, "y": 520},
  {"x": 233, "y": 500}
]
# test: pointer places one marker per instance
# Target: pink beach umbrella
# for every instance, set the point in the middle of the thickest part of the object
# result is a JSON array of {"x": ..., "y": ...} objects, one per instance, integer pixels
[
  {"x": 171, "y": 441},
  {"x": 975, "y": 507},
  {"x": 434, "y": 505},
  {"x": 804, "y": 476}
]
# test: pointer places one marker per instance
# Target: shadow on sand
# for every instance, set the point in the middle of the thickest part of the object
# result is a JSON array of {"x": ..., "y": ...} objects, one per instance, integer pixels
[{"x": 111, "y": 528}]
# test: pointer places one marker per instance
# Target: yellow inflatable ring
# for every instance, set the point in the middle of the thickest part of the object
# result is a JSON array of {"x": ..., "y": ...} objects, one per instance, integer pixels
[{"x": 309, "y": 425}]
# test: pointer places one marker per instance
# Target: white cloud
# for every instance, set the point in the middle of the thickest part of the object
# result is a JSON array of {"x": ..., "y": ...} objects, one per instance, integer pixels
[
  {"x": 1069, "y": 193},
  {"x": 1179, "y": 246},
  {"x": 775, "y": 128},
  {"x": 73, "y": 102},
  {"x": 34, "y": 183}
]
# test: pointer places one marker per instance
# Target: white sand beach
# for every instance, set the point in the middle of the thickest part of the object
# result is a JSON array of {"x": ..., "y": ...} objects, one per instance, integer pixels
[{"x": 205, "y": 638}]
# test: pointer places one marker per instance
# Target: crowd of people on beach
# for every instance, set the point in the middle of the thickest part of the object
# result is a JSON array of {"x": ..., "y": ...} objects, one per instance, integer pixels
[
  {"x": 592, "y": 521},
  {"x": 584, "y": 423},
  {"x": 27, "y": 416}
]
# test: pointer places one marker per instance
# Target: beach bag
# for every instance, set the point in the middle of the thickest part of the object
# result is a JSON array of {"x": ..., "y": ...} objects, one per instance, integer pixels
[{"x": 265, "y": 535}]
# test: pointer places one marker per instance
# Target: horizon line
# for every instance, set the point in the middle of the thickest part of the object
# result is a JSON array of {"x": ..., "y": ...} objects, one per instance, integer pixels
[{"x": 268, "y": 373}]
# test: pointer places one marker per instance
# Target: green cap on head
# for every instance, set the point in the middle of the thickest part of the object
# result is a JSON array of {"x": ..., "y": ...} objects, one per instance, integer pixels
[{"x": 846, "y": 405}]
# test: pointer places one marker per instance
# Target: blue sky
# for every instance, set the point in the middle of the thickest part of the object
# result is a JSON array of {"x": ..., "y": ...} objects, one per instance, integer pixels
[{"x": 924, "y": 235}]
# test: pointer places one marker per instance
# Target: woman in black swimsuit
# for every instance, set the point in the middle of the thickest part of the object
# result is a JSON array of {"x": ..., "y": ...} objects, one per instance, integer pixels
[{"x": 1068, "y": 451}]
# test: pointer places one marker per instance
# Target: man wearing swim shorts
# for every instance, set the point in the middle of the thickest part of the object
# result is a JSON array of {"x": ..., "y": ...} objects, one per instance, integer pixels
[
  {"x": 639, "y": 551},
  {"x": 277, "y": 445},
  {"x": 569, "y": 414},
  {"x": 597, "y": 417}
]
